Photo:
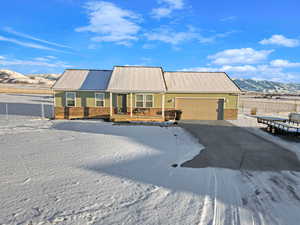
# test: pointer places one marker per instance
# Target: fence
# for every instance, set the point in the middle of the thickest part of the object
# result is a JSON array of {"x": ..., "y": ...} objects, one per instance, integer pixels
[
  {"x": 268, "y": 107},
  {"x": 17, "y": 110}
]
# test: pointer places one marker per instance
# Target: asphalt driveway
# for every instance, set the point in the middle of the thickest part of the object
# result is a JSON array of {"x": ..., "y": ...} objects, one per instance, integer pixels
[{"x": 229, "y": 146}]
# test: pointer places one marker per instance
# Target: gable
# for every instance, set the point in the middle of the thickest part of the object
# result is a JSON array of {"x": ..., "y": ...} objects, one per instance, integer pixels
[{"x": 137, "y": 79}]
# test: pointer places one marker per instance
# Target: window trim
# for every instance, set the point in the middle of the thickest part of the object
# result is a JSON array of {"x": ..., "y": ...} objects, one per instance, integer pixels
[
  {"x": 103, "y": 94},
  {"x": 144, "y": 100},
  {"x": 66, "y": 96}
]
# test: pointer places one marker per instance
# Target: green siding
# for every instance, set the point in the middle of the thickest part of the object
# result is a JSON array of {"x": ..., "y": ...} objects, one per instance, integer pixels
[
  {"x": 157, "y": 99},
  {"x": 87, "y": 99},
  {"x": 83, "y": 98}
]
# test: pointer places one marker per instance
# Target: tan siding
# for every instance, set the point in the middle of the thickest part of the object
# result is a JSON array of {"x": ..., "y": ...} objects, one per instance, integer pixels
[
  {"x": 230, "y": 99},
  {"x": 198, "y": 109}
]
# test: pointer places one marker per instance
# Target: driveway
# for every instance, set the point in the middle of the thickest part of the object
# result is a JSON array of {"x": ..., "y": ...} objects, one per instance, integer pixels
[{"x": 229, "y": 146}]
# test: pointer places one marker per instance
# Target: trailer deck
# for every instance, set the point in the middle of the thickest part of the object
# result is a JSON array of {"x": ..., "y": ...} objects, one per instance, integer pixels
[{"x": 280, "y": 125}]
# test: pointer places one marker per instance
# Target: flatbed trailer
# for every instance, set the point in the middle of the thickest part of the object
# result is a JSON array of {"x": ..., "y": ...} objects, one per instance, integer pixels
[{"x": 277, "y": 125}]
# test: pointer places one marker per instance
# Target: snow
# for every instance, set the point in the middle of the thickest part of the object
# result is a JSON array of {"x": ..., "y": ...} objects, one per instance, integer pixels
[
  {"x": 11, "y": 77},
  {"x": 94, "y": 172}
]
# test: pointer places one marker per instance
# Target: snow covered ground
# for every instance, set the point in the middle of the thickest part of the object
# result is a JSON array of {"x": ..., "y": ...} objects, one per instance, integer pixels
[{"x": 92, "y": 172}]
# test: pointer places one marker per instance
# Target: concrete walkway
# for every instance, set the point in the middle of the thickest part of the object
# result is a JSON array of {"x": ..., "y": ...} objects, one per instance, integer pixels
[{"x": 228, "y": 146}]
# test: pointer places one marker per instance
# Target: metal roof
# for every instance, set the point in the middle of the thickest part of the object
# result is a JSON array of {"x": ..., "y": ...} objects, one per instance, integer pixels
[
  {"x": 73, "y": 79},
  {"x": 137, "y": 79},
  {"x": 199, "y": 82},
  {"x": 145, "y": 79}
]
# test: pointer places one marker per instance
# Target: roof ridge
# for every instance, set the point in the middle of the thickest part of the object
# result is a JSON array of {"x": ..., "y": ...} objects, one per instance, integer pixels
[
  {"x": 90, "y": 69},
  {"x": 193, "y": 72},
  {"x": 141, "y": 66}
]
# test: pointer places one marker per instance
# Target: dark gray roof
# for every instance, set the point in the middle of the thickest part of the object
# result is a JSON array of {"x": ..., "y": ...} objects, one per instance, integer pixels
[{"x": 73, "y": 79}]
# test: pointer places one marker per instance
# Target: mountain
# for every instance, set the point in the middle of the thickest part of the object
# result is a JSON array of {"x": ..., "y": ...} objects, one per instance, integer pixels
[
  {"x": 267, "y": 86},
  {"x": 48, "y": 76},
  {"x": 12, "y": 77}
]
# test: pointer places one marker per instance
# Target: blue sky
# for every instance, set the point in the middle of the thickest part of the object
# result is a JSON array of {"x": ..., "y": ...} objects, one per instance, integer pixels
[{"x": 247, "y": 39}]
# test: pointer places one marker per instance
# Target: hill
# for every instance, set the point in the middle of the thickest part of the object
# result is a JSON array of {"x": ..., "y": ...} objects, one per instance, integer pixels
[
  {"x": 12, "y": 77},
  {"x": 267, "y": 86}
]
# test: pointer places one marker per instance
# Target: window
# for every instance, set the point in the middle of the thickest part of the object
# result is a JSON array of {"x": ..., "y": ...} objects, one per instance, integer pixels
[
  {"x": 144, "y": 101},
  {"x": 139, "y": 101},
  {"x": 149, "y": 101},
  {"x": 99, "y": 99},
  {"x": 70, "y": 99}
]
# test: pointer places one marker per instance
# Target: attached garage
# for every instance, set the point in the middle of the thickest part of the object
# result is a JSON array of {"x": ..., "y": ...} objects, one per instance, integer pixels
[
  {"x": 202, "y": 95},
  {"x": 200, "y": 108}
]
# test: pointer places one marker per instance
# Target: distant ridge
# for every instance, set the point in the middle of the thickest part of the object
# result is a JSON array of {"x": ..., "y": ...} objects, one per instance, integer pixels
[
  {"x": 12, "y": 77},
  {"x": 267, "y": 86}
]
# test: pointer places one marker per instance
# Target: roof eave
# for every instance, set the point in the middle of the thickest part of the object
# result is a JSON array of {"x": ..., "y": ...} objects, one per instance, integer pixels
[
  {"x": 135, "y": 91},
  {"x": 68, "y": 89},
  {"x": 202, "y": 92}
]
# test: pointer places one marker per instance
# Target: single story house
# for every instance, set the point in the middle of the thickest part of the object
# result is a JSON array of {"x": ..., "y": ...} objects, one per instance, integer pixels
[{"x": 145, "y": 93}]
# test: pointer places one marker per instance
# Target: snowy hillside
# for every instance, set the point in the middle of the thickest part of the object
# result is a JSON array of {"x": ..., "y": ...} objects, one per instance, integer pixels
[
  {"x": 12, "y": 77},
  {"x": 267, "y": 86},
  {"x": 48, "y": 76}
]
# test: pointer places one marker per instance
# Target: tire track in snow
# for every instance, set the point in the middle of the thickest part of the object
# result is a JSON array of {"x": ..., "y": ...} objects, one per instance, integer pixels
[
  {"x": 230, "y": 212},
  {"x": 216, "y": 214},
  {"x": 207, "y": 204},
  {"x": 225, "y": 201}
]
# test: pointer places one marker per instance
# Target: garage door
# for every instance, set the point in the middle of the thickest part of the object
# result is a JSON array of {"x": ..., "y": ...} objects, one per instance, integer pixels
[{"x": 200, "y": 109}]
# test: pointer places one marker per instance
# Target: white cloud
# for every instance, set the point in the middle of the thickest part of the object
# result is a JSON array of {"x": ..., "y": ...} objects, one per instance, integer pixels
[
  {"x": 12, "y": 31},
  {"x": 228, "y": 19},
  {"x": 168, "y": 35},
  {"x": 111, "y": 23},
  {"x": 51, "y": 57},
  {"x": 278, "y": 39},
  {"x": 18, "y": 62},
  {"x": 176, "y": 4},
  {"x": 239, "y": 56},
  {"x": 225, "y": 68},
  {"x": 2, "y": 57},
  {"x": 29, "y": 45},
  {"x": 284, "y": 63},
  {"x": 148, "y": 46},
  {"x": 168, "y": 7},
  {"x": 263, "y": 72},
  {"x": 161, "y": 12},
  {"x": 45, "y": 59}
]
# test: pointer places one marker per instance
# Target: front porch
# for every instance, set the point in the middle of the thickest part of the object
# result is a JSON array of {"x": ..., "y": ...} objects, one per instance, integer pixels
[{"x": 137, "y": 107}]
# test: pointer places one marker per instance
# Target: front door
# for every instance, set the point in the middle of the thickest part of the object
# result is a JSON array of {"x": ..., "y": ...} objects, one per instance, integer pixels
[{"x": 121, "y": 103}]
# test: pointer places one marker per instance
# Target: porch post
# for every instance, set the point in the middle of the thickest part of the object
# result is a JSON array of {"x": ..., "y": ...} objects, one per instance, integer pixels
[
  {"x": 131, "y": 106},
  {"x": 163, "y": 106},
  {"x": 110, "y": 104}
]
